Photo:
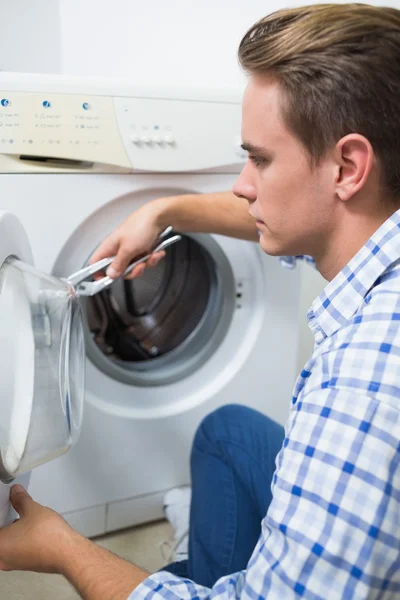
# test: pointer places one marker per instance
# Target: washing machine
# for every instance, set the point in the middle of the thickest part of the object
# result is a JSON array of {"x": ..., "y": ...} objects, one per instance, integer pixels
[{"x": 215, "y": 322}]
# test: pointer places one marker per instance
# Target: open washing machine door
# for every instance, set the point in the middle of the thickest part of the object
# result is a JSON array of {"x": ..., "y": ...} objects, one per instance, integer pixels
[{"x": 42, "y": 361}]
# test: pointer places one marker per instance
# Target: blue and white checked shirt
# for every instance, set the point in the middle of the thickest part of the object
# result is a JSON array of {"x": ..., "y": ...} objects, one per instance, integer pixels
[{"x": 332, "y": 530}]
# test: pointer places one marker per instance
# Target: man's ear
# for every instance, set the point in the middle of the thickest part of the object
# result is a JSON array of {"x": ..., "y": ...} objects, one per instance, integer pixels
[{"x": 355, "y": 157}]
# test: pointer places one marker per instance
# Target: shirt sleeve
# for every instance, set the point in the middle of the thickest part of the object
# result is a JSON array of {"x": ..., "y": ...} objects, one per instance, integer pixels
[
  {"x": 333, "y": 526},
  {"x": 163, "y": 585}
]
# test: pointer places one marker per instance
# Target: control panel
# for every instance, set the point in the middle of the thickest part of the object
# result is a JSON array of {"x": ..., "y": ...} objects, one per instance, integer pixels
[
  {"x": 180, "y": 135},
  {"x": 47, "y": 129},
  {"x": 61, "y": 126}
]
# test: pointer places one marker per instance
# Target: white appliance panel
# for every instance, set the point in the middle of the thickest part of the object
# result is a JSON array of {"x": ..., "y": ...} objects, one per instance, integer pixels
[{"x": 136, "y": 440}]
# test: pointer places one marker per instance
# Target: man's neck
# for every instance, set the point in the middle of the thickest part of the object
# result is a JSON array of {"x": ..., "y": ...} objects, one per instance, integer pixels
[{"x": 347, "y": 239}]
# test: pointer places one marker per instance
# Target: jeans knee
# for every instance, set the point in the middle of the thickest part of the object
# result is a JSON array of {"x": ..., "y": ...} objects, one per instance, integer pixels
[
  {"x": 234, "y": 423},
  {"x": 215, "y": 426}
]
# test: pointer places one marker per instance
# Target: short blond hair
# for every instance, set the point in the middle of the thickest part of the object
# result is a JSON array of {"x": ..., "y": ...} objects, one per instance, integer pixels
[{"x": 338, "y": 66}]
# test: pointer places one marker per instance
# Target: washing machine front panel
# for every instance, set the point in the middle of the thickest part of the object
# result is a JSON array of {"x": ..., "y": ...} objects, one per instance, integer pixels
[
  {"x": 135, "y": 439},
  {"x": 138, "y": 427}
]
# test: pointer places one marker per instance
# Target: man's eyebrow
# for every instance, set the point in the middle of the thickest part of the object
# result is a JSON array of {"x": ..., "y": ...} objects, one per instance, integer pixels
[{"x": 254, "y": 149}]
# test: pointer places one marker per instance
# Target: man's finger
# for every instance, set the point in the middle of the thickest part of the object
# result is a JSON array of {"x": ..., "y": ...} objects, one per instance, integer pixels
[
  {"x": 106, "y": 248},
  {"x": 20, "y": 499},
  {"x": 136, "y": 272},
  {"x": 151, "y": 262},
  {"x": 155, "y": 258},
  {"x": 3, "y": 566},
  {"x": 120, "y": 263}
]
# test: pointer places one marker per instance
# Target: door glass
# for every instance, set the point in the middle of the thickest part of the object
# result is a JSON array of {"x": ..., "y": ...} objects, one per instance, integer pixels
[{"x": 41, "y": 340}]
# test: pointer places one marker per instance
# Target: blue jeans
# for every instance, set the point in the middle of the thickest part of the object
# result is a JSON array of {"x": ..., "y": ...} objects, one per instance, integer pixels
[{"x": 232, "y": 464}]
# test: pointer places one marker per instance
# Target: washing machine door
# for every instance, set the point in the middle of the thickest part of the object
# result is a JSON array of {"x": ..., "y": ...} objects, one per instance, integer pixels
[{"x": 42, "y": 358}]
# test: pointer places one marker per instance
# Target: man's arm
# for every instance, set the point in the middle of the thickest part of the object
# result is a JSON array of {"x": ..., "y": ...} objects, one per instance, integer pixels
[
  {"x": 221, "y": 213},
  {"x": 42, "y": 541},
  {"x": 98, "y": 574}
]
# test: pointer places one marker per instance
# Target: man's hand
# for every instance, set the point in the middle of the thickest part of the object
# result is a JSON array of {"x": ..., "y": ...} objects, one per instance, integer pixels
[
  {"x": 42, "y": 541},
  {"x": 133, "y": 238},
  {"x": 36, "y": 541}
]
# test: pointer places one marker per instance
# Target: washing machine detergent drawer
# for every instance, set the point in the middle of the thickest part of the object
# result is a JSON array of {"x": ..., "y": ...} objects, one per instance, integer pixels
[{"x": 42, "y": 362}]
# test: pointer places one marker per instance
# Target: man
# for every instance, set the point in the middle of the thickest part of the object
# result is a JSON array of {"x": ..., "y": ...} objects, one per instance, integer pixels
[{"x": 321, "y": 125}]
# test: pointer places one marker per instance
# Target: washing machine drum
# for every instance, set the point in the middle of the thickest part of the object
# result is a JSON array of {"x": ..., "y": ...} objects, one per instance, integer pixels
[{"x": 148, "y": 317}]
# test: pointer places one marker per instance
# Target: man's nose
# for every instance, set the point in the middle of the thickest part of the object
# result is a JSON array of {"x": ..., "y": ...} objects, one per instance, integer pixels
[{"x": 244, "y": 188}]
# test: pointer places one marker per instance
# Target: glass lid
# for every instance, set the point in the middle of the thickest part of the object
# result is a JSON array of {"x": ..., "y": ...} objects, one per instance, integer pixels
[{"x": 42, "y": 367}]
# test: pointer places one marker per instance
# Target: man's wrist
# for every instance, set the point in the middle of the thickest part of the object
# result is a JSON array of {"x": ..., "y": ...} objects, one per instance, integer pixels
[
  {"x": 165, "y": 212},
  {"x": 71, "y": 546},
  {"x": 182, "y": 212},
  {"x": 96, "y": 573}
]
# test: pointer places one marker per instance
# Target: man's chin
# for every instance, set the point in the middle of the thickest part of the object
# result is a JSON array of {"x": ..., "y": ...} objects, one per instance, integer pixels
[{"x": 269, "y": 247}]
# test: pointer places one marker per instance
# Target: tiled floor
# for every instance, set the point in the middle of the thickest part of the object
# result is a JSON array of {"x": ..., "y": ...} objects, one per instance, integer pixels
[{"x": 140, "y": 545}]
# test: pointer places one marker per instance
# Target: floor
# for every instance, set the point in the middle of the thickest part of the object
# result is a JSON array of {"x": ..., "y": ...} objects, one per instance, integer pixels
[{"x": 140, "y": 545}]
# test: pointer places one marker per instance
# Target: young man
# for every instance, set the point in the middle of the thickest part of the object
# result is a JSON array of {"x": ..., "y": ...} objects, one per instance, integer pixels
[{"x": 321, "y": 125}]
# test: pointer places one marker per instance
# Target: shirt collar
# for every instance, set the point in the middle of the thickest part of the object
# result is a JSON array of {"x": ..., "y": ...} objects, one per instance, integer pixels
[{"x": 343, "y": 295}]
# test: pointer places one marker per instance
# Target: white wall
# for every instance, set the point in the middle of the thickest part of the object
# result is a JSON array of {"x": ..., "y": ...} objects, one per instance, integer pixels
[
  {"x": 158, "y": 42},
  {"x": 30, "y": 36},
  {"x": 311, "y": 285},
  {"x": 165, "y": 42}
]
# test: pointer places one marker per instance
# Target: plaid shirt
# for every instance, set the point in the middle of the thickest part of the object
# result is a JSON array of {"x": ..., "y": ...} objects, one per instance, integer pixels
[{"x": 332, "y": 530}]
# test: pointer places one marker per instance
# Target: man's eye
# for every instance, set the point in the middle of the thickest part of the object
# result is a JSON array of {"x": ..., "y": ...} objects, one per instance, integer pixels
[{"x": 257, "y": 160}]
